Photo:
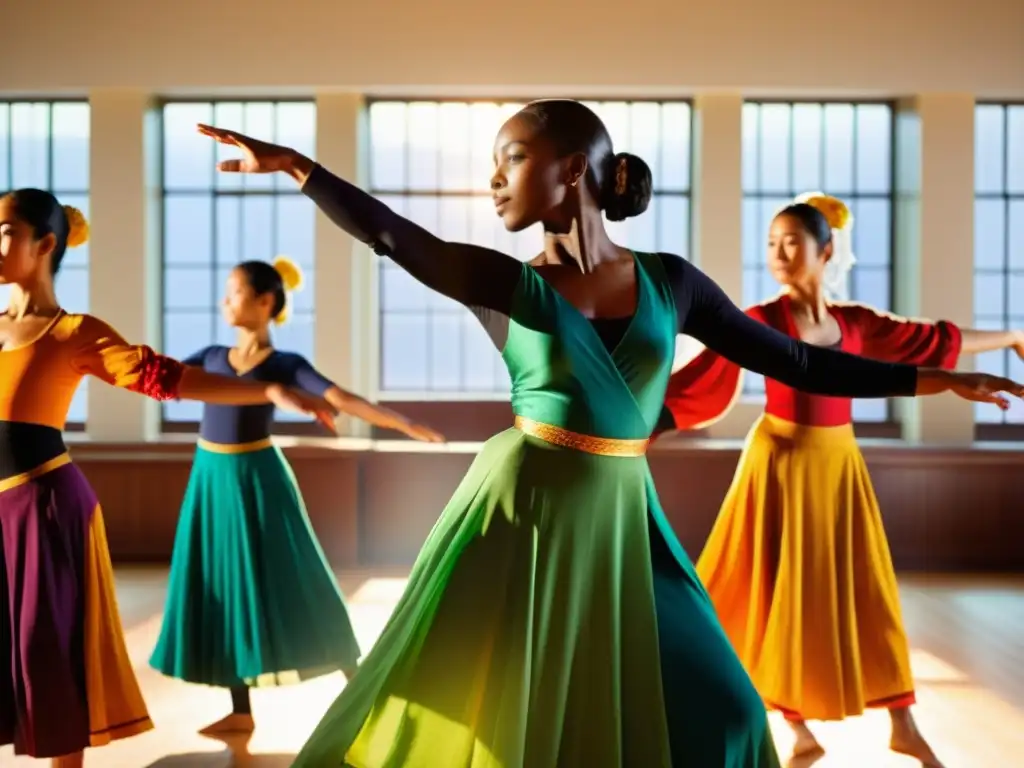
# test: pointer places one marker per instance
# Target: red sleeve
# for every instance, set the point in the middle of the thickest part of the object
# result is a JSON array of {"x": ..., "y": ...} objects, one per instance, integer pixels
[
  {"x": 703, "y": 391},
  {"x": 102, "y": 352},
  {"x": 896, "y": 339}
]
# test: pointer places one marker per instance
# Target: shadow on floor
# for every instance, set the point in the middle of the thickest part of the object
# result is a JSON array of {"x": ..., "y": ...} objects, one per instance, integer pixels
[{"x": 236, "y": 755}]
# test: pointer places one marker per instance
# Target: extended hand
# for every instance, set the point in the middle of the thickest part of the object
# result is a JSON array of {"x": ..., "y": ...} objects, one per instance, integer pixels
[
  {"x": 302, "y": 402},
  {"x": 1018, "y": 347},
  {"x": 257, "y": 156},
  {"x": 423, "y": 433},
  {"x": 985, "y": 388}
]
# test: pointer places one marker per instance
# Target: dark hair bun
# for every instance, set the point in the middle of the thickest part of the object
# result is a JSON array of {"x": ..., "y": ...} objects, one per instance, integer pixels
[{"x": 636, "y": 196}]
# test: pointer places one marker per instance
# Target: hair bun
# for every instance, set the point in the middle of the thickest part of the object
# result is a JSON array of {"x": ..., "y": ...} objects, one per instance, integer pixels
[
  {"x": 78, "y": 227},
  {"x": 290, "y": 272},
  {"x": 627, "y": 187},
  {"x": 835, "y": 211}
]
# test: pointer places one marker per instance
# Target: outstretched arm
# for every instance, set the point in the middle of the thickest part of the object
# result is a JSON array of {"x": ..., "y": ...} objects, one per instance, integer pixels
[
  {"x": 975, "y": 341},
  {"x": 465, "y": 273},
  {"x": 309, "y": 379},
  {"x": 707, "y": 314},
  {"x": 102, "y": 352}
]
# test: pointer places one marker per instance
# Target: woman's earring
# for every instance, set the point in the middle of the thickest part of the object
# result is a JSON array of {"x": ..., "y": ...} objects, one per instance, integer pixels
[{"x": 574, "y": 182}]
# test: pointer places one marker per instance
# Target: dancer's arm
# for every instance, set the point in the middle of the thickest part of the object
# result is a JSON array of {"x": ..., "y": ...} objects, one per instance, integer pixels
[
  {"x": 466, "y": 273},
  {"x": 309, "y": 379},
  {"x": 705, "y": 312},
  {"x": 921, "y": 342},
  {"x": 102, "y": 352}
]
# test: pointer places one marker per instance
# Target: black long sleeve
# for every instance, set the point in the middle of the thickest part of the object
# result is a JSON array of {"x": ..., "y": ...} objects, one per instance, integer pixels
[
  {"x": 707, "y": 314},
  {"x": 469, "y": 274}
]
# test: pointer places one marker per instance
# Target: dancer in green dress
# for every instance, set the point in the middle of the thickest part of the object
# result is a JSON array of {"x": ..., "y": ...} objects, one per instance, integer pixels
[{"x": 552, "y": 618}]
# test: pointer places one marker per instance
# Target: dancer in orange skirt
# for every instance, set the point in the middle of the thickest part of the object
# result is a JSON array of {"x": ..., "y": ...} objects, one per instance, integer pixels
[
  {"x": 797, "y": 564},
  {"x": 66, "y": 682}
]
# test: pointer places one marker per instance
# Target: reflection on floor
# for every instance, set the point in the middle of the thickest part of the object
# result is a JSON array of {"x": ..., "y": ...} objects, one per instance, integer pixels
[{"x": 968, "y": 656}]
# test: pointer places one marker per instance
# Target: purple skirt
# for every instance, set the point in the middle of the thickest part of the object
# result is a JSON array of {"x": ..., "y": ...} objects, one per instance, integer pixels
[{"x": 59, "y": 626}]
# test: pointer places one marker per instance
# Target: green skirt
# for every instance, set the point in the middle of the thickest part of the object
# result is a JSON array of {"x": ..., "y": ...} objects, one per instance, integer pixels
[
  {"x": 251, "y": 598},
  {"x": 552, "y": 620}
]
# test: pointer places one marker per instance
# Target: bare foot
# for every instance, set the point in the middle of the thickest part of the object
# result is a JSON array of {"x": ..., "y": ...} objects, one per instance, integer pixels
[
  {"x": 232, "y": 724},
  {"x": 806, "y": 744},
  {"x": 74, "y": 760},
  {"x": 907, "y": 740}
]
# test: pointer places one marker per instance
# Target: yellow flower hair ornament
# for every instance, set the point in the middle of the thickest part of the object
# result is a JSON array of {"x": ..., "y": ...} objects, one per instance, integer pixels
[
  {"x": 832, "y": 208},
  {"x": 290, "y": 272},
  {"x": 291, "y": 278},
  {"x": 78, "y": 227}
]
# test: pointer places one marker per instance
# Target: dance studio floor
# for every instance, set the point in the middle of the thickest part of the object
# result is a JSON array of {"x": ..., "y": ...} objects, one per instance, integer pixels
[{"x": 967, "y": 636}]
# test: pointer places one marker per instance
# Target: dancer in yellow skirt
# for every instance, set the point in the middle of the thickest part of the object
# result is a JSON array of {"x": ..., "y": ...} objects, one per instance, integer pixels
[
  {"x": 66, "y": 682},
  {"x": 797, "y": 564}
]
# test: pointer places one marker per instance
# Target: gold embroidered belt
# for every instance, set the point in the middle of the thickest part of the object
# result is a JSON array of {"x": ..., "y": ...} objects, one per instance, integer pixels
[
  {"x": 255, "y": 445},
  {"x": 47, "y": 466},
  {"x": 599, "y": 446}
]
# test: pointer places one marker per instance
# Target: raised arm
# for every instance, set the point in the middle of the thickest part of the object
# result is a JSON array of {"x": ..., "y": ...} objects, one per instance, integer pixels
[
  {"x": 707, "y": 314},
  {"x": 466, "y": 273}
]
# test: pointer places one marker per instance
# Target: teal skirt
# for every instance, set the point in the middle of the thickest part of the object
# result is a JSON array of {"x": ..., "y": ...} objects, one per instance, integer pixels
[{"x": 251, "y": 598}]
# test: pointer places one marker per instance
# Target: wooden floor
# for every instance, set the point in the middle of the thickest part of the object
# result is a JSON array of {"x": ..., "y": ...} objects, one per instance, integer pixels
[{"x": 967, "y": 636}]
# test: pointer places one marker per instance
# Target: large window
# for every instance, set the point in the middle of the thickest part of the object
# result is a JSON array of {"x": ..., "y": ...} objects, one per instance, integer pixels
[
  {"x": 212, "y": 221},
  {"x": 45, "y": 144},
  {"x": 432, "y": 161},
  {"x": 845, "y": 150},
  {"x": 999, "y": 240}
]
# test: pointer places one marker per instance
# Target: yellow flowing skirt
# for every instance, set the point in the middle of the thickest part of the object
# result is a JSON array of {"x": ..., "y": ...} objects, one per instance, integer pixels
[{"x": 799, "y": 570}]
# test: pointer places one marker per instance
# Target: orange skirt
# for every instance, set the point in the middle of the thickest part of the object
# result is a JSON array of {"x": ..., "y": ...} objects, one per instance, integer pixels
[{"x": 799, "y": 570}]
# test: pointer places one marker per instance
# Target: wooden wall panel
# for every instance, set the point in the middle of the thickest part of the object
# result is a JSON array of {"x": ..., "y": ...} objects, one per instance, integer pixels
[{"x": 945, "y": 510}]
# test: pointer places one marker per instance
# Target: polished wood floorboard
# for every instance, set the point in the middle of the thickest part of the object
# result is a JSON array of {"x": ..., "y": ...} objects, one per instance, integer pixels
[{"x": 967, "y": 636}]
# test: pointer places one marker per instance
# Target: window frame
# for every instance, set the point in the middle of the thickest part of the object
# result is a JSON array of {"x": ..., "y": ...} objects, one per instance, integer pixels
[
  {"x": 71, "y": 426},
  {"x": 170, "y": 426},
  {"x": 1002, "y": 431},
  {"x": 445, "y": 399},
  {"x": 890, "y": 427}
]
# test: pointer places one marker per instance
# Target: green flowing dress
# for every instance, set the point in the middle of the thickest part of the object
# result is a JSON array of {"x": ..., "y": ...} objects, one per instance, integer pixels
[{"x": 552, "y": 619}]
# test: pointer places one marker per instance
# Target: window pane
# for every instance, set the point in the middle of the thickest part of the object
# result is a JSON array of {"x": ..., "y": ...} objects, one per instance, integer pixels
[
  {"x": 46, "y": 145},
  {"x": 989, "y": 233},
  {"x": 1015, "y": 149},
  {"x": 844, "y": 149},
  {"x": 30, "y": 145},
  {"x": 188, "y": 156},
  {"x": 775, "y": 149},
  {"x": 228, "y": 218},
  {"x": 70, "y": 147},
  {"x": 874, "y": 148},
  {"x": 872, "y": 231},
  {"x": 188, "y": 332},
  {"x": 839, "y": 149},
  {"x": 432, "y": 162},
  {"x": 999, "y": 239},
  {"x": 73, "y": 288},
  {"x": 188, "y": 230},
  {"x": 807, "y": 146},
  {"x": 296, "y": 229}
]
